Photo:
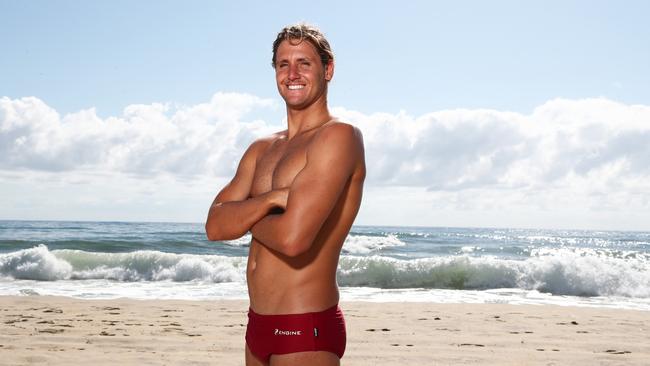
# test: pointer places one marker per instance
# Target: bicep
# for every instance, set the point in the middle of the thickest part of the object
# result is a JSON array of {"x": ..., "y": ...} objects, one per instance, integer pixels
[{"x": 316, "y": 189}]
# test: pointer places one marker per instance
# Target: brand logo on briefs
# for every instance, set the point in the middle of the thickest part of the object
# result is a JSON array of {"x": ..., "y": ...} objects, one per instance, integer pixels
[{"x": 287, "y": 332}]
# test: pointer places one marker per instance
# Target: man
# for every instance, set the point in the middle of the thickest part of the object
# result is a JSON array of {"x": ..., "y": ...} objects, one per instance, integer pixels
[{"x": 298, "y": 192}]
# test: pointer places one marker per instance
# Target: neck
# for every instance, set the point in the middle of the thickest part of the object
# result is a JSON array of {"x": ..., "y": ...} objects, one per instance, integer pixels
[{"x": 302, "y": 120}]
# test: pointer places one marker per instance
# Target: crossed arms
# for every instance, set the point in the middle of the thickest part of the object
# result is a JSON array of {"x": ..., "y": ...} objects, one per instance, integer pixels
[{"x": 331, "y": 160}]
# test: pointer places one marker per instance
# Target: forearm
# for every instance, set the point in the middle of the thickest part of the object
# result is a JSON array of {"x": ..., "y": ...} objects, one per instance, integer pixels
[
  {"x": 277, "y": 232},
  {"x": 268, "y": 232},
  {"x": 231, "y": 220}
]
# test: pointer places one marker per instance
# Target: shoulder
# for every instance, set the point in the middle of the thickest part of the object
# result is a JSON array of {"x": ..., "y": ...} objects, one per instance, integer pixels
[
  {"x": 339, "y": 134},
  {"x": 269, "y": 139},
  {"x": 337, "y": 143},
  {"x": 260, "y": 145}
]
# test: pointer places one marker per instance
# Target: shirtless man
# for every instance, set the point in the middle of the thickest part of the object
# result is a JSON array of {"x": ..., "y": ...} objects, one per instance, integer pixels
[{"x": 298, "y": 192}]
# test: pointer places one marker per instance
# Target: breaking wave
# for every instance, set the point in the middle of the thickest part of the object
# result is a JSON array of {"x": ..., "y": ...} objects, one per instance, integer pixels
[
  {"x": 562, "y": 271},
  {"x": 39, "y": 263},
  {"x": 559, "y": 272}
]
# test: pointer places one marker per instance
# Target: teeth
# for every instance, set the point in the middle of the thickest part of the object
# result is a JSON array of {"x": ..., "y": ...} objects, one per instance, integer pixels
[{"x": 295, "y": 87}]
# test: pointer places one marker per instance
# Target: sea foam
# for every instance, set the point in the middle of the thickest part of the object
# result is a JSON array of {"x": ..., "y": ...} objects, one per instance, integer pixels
[
  {"x": 559, "y": 271},
  {"x": 354, "y": 244},
  {"x": 39, "y": 263},
  {"x": 364, "y": 244},
  {"x": 563, "y": 272},
  {"x": 36, "y": 263}
]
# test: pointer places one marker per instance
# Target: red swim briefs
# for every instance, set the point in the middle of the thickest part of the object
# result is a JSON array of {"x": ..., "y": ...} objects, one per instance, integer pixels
[{"x": 268, "y": 335}]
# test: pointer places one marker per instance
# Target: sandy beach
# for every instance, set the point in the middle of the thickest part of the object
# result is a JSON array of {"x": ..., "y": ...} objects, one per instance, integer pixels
[{"x": 67, "y": 331}]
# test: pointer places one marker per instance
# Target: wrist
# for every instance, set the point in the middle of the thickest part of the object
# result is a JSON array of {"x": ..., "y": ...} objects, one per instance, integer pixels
[{"x": 272, "y": 199}]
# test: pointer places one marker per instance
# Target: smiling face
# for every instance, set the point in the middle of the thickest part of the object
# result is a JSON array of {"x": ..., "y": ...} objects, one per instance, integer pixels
[{"x": 300, "y": 75}]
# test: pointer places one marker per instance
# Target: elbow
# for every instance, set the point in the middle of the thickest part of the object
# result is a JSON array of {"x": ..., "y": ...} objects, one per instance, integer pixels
[
  {"x": 211, "y": 229},
  {"x": 214, "y": 233},
  {"x": 215, "y": 229},
  {"x": 293, "y": 250},
  {"x": 211, "y": 233},
  {"x": 295, "y": 245}
]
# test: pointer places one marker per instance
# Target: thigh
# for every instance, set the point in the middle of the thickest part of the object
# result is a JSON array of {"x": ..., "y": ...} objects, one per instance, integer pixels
[
  {"x": 318, "y": 358},
  {"x": 251, "y": 360}
]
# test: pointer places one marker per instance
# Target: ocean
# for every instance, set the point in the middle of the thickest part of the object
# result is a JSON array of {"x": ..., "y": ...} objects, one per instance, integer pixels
[{"x": 104, "y": 260}]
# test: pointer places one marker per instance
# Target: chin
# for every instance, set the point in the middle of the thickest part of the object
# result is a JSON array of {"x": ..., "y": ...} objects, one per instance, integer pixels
[{"x": 297, "y": 104}]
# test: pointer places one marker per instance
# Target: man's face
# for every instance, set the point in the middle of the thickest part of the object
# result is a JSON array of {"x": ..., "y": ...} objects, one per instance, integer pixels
[{"x": 300, "y": 75}]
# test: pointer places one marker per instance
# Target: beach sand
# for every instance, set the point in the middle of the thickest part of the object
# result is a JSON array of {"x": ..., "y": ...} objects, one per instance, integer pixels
[{"x": 67, "y": 331}]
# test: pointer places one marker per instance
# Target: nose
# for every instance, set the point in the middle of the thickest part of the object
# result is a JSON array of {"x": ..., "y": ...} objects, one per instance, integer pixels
[{"x": 293, "y": 72}]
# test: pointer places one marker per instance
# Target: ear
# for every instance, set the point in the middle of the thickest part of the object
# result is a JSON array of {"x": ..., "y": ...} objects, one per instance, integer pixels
[{"x": 329, "y": 70}]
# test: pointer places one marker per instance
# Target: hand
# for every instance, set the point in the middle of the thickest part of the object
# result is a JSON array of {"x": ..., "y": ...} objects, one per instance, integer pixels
[{"x": 280, "y": 197}]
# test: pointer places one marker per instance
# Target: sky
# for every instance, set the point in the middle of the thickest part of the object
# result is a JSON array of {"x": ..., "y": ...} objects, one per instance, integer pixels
[{"x": 474, "y": 113}]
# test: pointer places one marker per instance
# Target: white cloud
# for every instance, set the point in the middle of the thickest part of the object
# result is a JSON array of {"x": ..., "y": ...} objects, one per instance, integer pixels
[
  {"x": 567, "y": 156},
  {"x": 561, "y": 140},
  {"x": 146, "y": 140},
  {"x": 445, "y": 150}
]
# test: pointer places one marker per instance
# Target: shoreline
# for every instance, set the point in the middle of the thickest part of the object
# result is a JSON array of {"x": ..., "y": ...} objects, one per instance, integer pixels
[
  {"x": 71, "y": 331},
  {"x": 235, "y": 291}
]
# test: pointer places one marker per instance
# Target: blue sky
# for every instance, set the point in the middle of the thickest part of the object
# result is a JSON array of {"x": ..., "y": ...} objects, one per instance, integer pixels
[
  {"x": 415, "y": 56},
  {"x": 563, "y": 81}
]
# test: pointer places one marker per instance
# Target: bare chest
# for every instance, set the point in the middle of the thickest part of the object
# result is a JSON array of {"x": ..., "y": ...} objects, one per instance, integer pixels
[{"x": 279, "y": 166}]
